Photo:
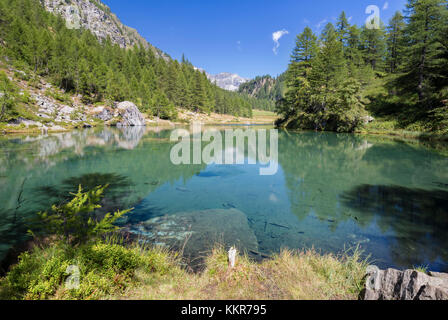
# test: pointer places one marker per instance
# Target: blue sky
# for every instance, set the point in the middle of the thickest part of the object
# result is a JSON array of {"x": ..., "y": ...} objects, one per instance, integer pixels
[{"x": 237, "y": 35}]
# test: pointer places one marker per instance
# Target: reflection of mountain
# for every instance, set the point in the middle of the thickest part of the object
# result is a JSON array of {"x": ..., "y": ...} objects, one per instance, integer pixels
[
  {"x": 37, "y": 172},
  {"x": 385, "y": 191}
]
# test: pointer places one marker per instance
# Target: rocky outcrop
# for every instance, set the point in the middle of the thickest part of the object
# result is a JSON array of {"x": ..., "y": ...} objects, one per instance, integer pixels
[
  {"x": 393, "y": 284},
  {"x": 124, "y": 114},
  {"x": 253, "y": 87},
  {"x": 97, "y": 17},
  {"x": 227, "y": 81},
  {"x": 103, "y": 113},
  {"x": 49, "y": 109},
  {"x": 129, "y": 115}
]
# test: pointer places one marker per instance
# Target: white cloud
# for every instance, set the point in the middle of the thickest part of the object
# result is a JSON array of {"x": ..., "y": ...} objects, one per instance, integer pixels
[
  {"x": 238, "y": 46},
  {"x": 350, "y": 18},
  {"x": 386, "y": 6},
  {"x": 321, "y": 23},
  {"x": 276, "y": 36}
]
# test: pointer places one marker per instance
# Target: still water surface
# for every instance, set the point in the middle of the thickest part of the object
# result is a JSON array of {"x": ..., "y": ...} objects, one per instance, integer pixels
[{"x": 332, "y": 191}]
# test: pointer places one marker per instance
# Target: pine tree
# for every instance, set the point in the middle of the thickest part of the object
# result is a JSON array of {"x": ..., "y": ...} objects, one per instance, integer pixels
[
  {"x": 342, "y": 27},
  {"x": 353, "y": 51},
  {"x": 302, "y": 56},
  {"x": 395, "y": 42},
  {"x": 424, "y": 34},
  {"x": 373, "y": 44}
]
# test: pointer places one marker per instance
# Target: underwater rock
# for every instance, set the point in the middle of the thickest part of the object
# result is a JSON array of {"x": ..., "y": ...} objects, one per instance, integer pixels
[
  {"x": 197, "y": 232},
  {"x": 229, "y": 205}
]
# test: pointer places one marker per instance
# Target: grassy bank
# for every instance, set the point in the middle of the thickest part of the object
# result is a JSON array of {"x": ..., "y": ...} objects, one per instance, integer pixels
[
  {"x": 70, "y": 242},
  {"x": 110, "y": 270},
  {"x": 394, "y": 129}
]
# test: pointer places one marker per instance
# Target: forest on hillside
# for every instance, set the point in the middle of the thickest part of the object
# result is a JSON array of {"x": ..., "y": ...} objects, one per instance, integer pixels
[
  {"x": 396, "y": 72},
  {"x": 266, "y": 89},
  {"x": 40, "y": 44}
]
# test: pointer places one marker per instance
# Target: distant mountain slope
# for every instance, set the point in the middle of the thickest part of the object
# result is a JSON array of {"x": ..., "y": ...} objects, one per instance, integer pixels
[
  {"x": 98, "y": 18},
  {"x": 227, "y": 81},
  {"x": 264, "y": 87}
]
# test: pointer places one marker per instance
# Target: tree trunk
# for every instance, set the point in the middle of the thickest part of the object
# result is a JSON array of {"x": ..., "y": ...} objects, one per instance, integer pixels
[{"x": 421, "y": 67}]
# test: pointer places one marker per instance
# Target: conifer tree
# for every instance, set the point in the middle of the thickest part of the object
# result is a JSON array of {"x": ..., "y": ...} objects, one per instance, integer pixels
[
  {"x": 426, "y": 23},
  {"x": 395, "y": 42}
]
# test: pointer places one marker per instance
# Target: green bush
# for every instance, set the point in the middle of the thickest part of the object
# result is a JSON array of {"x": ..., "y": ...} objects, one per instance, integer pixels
[
  {"x": 75, "y": 238},
  {"x": 61, "y": 97},
  {"x": 75, "y": 221},
  {"x": 8, "y": 94},
  {"x": 104, "y": 268}
]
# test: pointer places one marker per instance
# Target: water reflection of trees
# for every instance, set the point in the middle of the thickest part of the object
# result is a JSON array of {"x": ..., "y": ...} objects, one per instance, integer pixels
[
  {"x": 133, "y": 161},
  {"x": 349, "y": 178},
  {"x": 316, "y": 167},
  {"x": 418, "y": 219}
]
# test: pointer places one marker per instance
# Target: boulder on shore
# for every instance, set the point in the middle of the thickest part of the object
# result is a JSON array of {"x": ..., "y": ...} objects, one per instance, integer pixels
[
  {"x": 394, "y": 284},
  {"x": 129, "y": 115},
  {"x": 103, "y": 113}
]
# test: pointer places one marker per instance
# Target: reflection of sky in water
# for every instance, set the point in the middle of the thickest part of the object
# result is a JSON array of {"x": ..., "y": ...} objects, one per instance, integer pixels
[{"x": 330, "y": 191}]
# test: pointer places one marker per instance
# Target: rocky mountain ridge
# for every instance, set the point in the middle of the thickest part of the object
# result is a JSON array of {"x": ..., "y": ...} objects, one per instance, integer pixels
[
  {"x": 98, "y": 18},
  {"x": 227, "y": 81},
  {"x": 265, "y": 87}
]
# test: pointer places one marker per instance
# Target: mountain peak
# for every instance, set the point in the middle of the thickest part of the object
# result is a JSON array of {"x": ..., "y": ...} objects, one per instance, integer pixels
[
  {"x": 98, "y": 18},
  {"x": 228, "y": 81}
]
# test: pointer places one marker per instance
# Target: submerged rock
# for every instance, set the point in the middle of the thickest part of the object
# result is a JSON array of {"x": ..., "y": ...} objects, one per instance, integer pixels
[
  {"x": 198, "y": 231},
  {"x": 393, "y": 284}
]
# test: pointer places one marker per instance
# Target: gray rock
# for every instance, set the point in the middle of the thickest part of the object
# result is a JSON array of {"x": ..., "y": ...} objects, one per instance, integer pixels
[
  {"x": 227, "y": 81},
  {"x": 103, "y": 113},
  {"x": 25, "y": 122},
  {"x": 392, "y": 284},
  {"x": 97, "y": 17},
  {"x": 129, "y": 114},
  {"x": 367, "y": 119}
]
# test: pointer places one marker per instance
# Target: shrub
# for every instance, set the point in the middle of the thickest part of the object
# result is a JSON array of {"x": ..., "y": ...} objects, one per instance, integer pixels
[
  {"x": 104, "y": 269},
  {"x": 75, "y": 221}
]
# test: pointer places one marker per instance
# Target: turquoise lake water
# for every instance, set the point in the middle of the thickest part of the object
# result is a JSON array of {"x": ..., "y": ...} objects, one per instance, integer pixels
[{"x": 331, "y": 191}]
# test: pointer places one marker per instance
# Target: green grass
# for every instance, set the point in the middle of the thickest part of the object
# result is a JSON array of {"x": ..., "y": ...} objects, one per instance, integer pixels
[
  {"x": 111, "y": 270},
  {"x": 392, "y": 127},
  {"x": 422, "y": 269},
  {"x": 263, "y": 113},
  {"x": 106, "y": 268}
]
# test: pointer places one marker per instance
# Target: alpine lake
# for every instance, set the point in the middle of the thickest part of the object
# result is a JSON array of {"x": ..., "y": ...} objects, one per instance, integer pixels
[{"x": 332, "y": 192}]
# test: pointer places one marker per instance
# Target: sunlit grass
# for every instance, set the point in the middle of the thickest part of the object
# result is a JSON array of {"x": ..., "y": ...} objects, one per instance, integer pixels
[{"x": 112, "y": 270}]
